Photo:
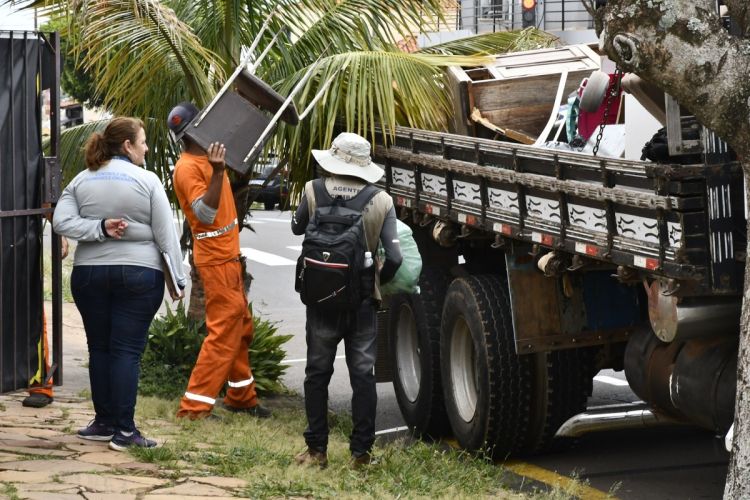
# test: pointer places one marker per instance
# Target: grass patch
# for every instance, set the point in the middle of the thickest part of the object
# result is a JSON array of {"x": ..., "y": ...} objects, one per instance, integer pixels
[
  {"x": 9, "y": 491},
  {"x": 262, "y": 453}
]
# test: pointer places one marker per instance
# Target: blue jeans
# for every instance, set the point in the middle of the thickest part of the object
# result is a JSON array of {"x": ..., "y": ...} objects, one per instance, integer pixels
[
  {"x": 117, "y": 304},
  {"x": 324, "y": 331}
]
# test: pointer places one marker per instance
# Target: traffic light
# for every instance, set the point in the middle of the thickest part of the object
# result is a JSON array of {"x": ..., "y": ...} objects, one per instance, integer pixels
[
  {"x": 528, "y": 13},
  {"x": 73, "y": 116}
]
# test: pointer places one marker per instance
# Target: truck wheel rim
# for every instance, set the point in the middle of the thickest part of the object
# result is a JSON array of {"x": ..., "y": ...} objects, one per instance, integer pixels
[
  {"x": 463, "y": 370},
  {"x": 407, "y": 353}
]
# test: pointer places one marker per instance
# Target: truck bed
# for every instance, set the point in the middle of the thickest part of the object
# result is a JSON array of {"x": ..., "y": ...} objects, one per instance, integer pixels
[{"x": 678, "y": 221}]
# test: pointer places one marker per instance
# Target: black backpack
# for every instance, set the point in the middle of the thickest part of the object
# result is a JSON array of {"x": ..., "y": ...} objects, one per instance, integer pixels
[{"x": 331, "y": 271}]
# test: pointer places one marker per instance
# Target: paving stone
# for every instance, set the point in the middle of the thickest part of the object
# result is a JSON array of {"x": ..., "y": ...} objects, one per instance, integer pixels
[
  {"x": 219, "y": 481},
  {"x": 63, "y": 488},
  {"x": 36, "y": 451},
  {"x": 71, "y": 438},
  {"x": 105, "y": 458},
  {"x": 30, "y": 443},
  {"x": 36, "y": 432},
  {"x": 106, "y": 483},
  {"x": 14, "y": 476},
  {"x": 192, "y": 497},
  {"x": 109, "y": 496},
  {"x": 138, "y": 466},
  {"x": 151, "y": 481},
  {"x": 46, "y": 495},
  {"x": 52, "y": 466},
  {"x": 82, "y": 446},
  {"x": 8, "y": 457},
  {"x": 191, "y": 489}
]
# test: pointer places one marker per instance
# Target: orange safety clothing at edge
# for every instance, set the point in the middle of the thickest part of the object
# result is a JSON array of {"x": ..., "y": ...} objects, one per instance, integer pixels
[
  {"x": 224, "y": 354},
  {"x": 38, "y": 387},
  {"x": 192, "y": 175}
]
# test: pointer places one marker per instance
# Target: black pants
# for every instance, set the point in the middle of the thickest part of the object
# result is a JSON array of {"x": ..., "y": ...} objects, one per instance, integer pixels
[{"x": 324, "y": 331}]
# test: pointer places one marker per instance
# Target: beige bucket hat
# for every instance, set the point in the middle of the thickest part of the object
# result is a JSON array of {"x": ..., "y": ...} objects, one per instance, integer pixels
[{"x": 349, "y": 155}]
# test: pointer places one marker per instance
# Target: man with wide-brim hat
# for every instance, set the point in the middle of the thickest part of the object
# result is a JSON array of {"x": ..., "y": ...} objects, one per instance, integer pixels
[{"x": 349, "y": 170}]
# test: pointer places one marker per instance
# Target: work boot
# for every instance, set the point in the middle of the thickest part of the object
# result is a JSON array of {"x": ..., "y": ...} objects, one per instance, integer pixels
[
  {"x": 36, "y": 400},
  {"x": 360, "y": 461},
  {"x": 312, "y": 457},
  {"x": 255, "y": 411}
]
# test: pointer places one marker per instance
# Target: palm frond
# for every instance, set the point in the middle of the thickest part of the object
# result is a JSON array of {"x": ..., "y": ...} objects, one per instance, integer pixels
[
  {"x": 142, "y": 57},
  {"x": 325, "y": 27},
  {"x": 495, "y": 43},
  {"x": 370, "y": 88}
]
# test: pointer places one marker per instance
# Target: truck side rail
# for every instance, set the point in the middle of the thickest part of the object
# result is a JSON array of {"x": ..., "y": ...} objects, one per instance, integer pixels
[{"x": 676, "y": 221}]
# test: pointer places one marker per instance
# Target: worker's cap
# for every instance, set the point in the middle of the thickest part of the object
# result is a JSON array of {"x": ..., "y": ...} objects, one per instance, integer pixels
[{"x": 180, "y": 117}]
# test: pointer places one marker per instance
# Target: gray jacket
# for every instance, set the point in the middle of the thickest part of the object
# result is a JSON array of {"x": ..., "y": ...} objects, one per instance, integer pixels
[{"x": 119, "y": 189}]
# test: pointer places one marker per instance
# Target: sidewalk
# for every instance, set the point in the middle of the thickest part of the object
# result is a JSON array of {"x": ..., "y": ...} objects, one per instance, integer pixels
[{"x": 41, "y": 458}]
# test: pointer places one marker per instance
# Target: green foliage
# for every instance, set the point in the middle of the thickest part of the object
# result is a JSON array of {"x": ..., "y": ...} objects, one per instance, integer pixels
[
  {"x": 266, "y": 355},
  {"x": 175, "y": 341},
  {"x": 74, "y": 79}
]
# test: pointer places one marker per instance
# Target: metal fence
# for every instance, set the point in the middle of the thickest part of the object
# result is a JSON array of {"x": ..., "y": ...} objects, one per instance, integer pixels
[
  {"x": 29, "y": 183},
  {"x": 483, "y": 16}
]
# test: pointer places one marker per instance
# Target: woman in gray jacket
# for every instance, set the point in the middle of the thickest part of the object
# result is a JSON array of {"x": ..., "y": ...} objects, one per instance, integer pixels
[{"x": 120, "y": 216}]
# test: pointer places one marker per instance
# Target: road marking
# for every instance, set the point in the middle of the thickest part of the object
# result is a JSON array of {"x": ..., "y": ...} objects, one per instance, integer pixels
[
  {"x": 268, "y": 219},
  {"x": 555, "y": 480},
  {"x": 296, "y": 248},
  {"x": 546, "y": 476},
  {"x": 605, "y": 379},
  {"x": 388, "y": 431},
  {"x": 302, "y": 360},
  {"x": 269, "y": 259}
]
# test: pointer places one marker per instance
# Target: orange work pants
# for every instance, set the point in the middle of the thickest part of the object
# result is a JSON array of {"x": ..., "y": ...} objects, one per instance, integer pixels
[
  {"x": 224, "y": 354},
  {"x": 36, "y": 386}
]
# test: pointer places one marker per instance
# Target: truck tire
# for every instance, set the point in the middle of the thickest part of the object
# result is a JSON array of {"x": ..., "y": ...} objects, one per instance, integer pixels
[
  {"x": 415, "y": 328},
  {"x": 487, "y": 386},
  {"x": 498, "y": 402}
]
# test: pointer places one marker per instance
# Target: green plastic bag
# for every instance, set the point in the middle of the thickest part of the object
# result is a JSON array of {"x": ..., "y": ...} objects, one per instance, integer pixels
[{"x": 407, "y": 277}]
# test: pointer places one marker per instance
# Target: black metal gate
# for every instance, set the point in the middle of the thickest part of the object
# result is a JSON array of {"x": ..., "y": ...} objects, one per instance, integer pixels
[{"x": 29, "y": 186}]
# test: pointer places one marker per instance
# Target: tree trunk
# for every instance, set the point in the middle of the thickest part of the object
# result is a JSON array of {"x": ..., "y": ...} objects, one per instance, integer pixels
[
  {"x": 197, "y": 307},
  {"x": 681, "y": 47},
  {"x": 738, "y": 478}
]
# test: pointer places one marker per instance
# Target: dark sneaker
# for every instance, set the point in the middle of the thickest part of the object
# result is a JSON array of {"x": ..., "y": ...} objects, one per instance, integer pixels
[
  {"x": 122, "y": 441},
  {"x": 312, "y": 457},
  {"x": 96, "y": 431},
  {"x": 256, "y": 411},
  {"x": 37, "y": 400}
]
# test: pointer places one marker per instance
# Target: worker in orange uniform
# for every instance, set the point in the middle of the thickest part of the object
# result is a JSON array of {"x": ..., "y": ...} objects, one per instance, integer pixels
[
  {"x": 40, "y": 386},
  {"x": 205, "y": 195}
]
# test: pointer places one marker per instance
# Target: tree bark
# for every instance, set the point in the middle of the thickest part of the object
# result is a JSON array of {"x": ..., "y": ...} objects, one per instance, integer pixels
[
  {"x": 738, "y": 478},
  {"x": 681, "y": 47}
]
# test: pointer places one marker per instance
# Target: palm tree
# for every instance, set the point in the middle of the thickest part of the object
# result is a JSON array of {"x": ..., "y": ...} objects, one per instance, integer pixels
[{"x": 144, "y": 56}]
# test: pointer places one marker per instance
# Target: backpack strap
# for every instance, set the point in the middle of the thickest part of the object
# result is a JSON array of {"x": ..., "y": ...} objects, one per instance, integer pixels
[{"x": 322, "y": 198}]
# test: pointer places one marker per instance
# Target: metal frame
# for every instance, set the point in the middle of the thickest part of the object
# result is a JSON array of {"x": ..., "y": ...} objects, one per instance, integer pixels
[{"x": 49, "y": 181}]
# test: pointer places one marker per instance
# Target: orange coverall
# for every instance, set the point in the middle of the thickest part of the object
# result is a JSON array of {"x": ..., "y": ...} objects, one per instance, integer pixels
[
  {"x": 36, "y": 384},
  {"x": 224, "y": 354}
]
